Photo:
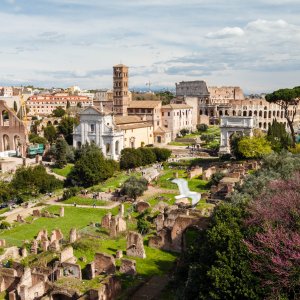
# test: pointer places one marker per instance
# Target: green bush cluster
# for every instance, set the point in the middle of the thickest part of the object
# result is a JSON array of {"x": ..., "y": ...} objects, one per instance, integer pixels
[{"x": 133, "y": 158}]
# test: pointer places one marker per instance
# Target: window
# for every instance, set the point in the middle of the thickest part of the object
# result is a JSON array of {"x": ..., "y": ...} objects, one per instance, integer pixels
[
  {"x": 168, "y": 114},
  {"x": 162, "y": 113},
  {"x": 92, "y": 127},
  {"x": 157, "y": 123}
]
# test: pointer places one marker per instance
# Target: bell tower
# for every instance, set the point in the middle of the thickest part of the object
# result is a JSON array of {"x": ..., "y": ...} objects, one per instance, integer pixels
[{"x": 120, "y": 97}]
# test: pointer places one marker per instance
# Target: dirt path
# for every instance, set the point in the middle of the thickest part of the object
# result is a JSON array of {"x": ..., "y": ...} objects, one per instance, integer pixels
[
  {"x": 151, "y": 289},
  {"x": 113, "y": 205}
]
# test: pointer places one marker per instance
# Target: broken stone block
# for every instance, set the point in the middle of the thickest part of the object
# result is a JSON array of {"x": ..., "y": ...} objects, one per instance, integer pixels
[
  {"x": 135, "y": 246},
  {"x": 128, "y": 266}
]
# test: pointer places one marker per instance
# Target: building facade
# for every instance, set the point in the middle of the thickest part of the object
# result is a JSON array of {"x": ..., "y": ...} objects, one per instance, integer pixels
[
  {"x": 176, "y": 117},
  {"x": 44, "y": 104}
]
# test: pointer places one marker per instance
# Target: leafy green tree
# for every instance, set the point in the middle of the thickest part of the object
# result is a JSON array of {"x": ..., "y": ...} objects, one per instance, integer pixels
[
  {"x": 61, "y": 147},
  {"x": 130, "y": 158},
  {"x": 50, "y": 133},
  {"x": 6, "y": 192},
  {"x": 91, "y": 167},
  {"x": 66, "y": 127},
  {"x": 165, "y": 97},
  {"x": 288, "y": 100},
  {"x": 134, "y": 187},
  {"x": 143, "y": 223},
  {"x": 36, "y": 139},
  {"x": 147, "y": 155},
  {"x": 278, "y": 136},
  {"x": 184, "y": 131},
  {"x": 254, "y": 147},
  {"x": 162, "y": 154},
  {"x": 15, "y": 106},
  {"x": 34, "y": 180},
  {"x": 207, "y": 137},
  {"x": 202, "y": 127},
  {"x": 234, "y": 141},
  {"x": 59, "y": 112}
]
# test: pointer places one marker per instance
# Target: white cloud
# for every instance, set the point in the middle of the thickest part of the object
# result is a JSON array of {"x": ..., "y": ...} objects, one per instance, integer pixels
[{"x": 226, "y": 32}]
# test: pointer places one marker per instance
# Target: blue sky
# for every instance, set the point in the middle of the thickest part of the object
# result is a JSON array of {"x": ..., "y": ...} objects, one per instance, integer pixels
[{"x": 253, "y": 44}]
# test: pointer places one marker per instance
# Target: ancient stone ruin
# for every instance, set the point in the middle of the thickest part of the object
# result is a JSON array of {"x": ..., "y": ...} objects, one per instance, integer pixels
[{"x": 135, "y": 245}]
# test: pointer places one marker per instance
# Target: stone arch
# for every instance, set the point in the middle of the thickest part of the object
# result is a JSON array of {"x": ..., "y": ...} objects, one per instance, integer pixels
[
  {"x": 274, "y": 113},
  {"x": 265, "y": 114},
  {"x": 187, "y": 236},
  {"x": 240, "y": 113},
  {"x": 5, "y": 118},
  {"x": 265, "y": 125},
  {"x": 226, "y": 113},
  {"x": 234, "y": 113},
  {"x": 206, "y": 112},
  {"x": 6, "y": 144},
  {"x": 260, "y": 125},
  {"x": 49, "y": 122},
  {"x": 278, "y": 113},
  {"x": 281, "y": 115},
  {"x": 55, "y": 122},
  {"x": 250, "y": 113},
  {"x": 201, "y": 112},
  {"x": 117, "y": 146},
  {"x": 244, "y": 113},
  {"x": 270, "y": 114},
  {"x": 78, "y": 144},
  {"x": 221, "y": 113},
  {"x": 255, "y": 113},
  {"x": 260, "y": 113},
  {"x": 17, "y": 142}
]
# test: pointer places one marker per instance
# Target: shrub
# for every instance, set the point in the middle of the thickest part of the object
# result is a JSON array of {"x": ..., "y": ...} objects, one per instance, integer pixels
[
  {"x": 71, "y": 192},
  {"x": 207, "y": 137},
  {"x": 4, "y": 225},
  {"x": 134, "y": 187},
  {"x": 184, "y": 131},
  {"x": 202, "y": 127}
]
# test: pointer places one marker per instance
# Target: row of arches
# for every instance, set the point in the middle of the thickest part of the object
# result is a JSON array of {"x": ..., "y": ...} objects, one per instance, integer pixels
[{"x": 8, "y": 144}]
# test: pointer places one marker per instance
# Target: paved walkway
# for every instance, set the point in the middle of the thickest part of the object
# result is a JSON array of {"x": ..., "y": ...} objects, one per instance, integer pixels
[
  {"x": 151, "y": 289},
  {"x": 113, "y": 205}
]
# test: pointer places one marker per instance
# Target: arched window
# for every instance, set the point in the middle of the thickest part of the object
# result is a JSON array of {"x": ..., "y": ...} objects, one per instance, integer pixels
[
  {"x": 255, "y": 113},
  {"x": 5, "y": 118},
  {"x": 260, "y": 113},
  {"x": 265, "y": 114},
  {"x": 244, "y": 114},
  {"x": 233, "y": 113},
  {"x": 6, "y": 142},
  {"x": 250, "y": 113}
]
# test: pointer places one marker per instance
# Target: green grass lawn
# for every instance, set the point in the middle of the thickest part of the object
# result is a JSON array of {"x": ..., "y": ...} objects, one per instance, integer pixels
[
  {"x": 156, "y": 262},
  {"x": 64, "y": 171},
  {"x": 86, "y": 201},
  {"x": 74, "y": 217},
  {"x": 4, "y": 210},
  {"x": 213, "y": 129},
  {"x": 114, "y": 182},
  {"x": 166, "y": 197},
  {"x": 179, "y": 144},
  {"x": 195, "y": 184}
]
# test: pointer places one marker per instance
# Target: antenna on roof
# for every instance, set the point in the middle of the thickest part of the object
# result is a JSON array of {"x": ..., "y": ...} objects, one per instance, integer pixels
[{"x": 149, "y": 84}]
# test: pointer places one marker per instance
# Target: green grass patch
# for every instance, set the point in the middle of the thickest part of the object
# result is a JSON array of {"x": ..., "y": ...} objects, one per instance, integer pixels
[
  {"x": 114, "y": 182},
  {"x": 179, "y": 144},
  {"x": 86, "y": 201},
  {"x": 195, "y": 184},
  {"x": 4, "y": 210},
  {"x": 213, "y": 129},
  {"x": 64, "y": 171},
  {"x": 157, "y": 262},
  {"x": 165, "y": 197},
  {"x": 74, "y": 217}
]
